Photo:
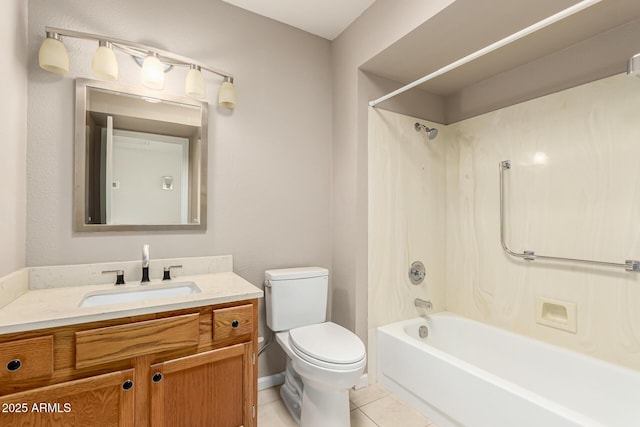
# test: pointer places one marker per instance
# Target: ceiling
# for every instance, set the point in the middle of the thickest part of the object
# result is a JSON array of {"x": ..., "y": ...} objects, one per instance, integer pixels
[{"x": 324, "y": 18}]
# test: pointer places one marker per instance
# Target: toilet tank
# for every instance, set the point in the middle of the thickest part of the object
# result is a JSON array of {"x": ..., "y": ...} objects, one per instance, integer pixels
[{"x": 295, "y": 297}]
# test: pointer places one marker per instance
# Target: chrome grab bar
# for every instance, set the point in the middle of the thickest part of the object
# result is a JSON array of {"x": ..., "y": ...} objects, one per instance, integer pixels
[{"x": 629, "y": 265}]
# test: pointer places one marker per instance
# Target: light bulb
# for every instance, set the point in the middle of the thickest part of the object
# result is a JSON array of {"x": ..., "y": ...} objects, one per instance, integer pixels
[
  {"x": 104, "y": 64},
  {"x": 53, "y": 56},
  {"x": 194, "y": 83},
  {"x": 153, "y": 72}
]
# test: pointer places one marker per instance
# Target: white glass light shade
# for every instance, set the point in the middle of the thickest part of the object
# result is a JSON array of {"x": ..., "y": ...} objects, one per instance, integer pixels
[
  {"x": 53, "y": 56},
  {"x": 104, "y": 64},
  {"x": 194, "y": 84},
  {"x": 227, "y": 95},
  {"x": 152, "y": 73}
]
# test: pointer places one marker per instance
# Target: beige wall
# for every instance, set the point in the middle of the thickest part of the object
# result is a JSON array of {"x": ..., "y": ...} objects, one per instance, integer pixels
[
  {"x": 274, "y": 149},
  {"x": 269, "y": 161},
  {"x": 13, "y": 135},
  {"x": 583, "y": 203}
]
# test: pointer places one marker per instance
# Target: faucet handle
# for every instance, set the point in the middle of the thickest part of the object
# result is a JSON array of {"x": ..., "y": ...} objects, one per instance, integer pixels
[
  {"x": 119, "y": 276},
  {"x": 167, "y": 271}
]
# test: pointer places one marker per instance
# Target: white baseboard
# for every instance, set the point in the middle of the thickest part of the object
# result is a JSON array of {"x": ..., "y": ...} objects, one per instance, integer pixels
[{"x": 270, "y": 381}]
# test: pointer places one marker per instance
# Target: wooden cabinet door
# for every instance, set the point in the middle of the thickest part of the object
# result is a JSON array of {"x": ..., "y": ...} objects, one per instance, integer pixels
[
  {"x": 214, "y": 388},
  {"x": 100, "y": 401}
]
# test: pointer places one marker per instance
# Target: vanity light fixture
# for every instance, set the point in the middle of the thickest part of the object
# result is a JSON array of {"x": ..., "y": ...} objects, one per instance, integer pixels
[
  {"x": 227, "y": 94},
  {"x": 194, "y": 83},
  {"x": 633, "y": 67},
  {"x": 53, "y": 57},
  {"x": 152, "y": 72},
  {"x": 104, "y": 64}
]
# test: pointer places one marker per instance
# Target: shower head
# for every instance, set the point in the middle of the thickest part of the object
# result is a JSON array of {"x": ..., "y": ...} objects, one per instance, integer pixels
[{"x": 431, "y": 132}]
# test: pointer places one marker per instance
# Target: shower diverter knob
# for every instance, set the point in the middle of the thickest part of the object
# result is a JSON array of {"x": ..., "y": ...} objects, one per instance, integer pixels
[{"x": 417, "y": 272}]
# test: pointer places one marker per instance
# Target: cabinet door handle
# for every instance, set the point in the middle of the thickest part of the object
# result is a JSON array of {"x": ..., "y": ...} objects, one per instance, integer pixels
[
  {"x": 157, "y": 377},
  {"x": 14, "y": 365},
  {"x": 235, "y": 324},
  {"x": 127, "y": 385}
]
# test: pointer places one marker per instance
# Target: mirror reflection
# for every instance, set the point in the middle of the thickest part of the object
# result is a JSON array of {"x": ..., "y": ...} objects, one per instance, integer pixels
[{"x": 140, "y": 160}]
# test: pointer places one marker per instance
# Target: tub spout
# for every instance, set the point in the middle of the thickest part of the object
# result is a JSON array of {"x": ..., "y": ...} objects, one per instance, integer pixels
[{"x": 420, "y": 303}]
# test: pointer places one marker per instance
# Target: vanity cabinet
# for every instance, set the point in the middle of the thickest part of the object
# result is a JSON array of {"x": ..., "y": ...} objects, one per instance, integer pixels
[
  {"x": 203, "y": 389},
  {"x": 191, "y": 367}
]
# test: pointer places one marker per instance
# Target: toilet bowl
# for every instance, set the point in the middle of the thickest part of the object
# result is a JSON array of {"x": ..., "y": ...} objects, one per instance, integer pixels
[
  {"x": 327, "y": 357},
  {"x": 325, "y": 376}
]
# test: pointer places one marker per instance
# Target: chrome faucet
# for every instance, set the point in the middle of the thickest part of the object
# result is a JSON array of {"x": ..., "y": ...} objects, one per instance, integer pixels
[
  {"x": 145, "y": 264},
  {"x": 420, "y": 303}
]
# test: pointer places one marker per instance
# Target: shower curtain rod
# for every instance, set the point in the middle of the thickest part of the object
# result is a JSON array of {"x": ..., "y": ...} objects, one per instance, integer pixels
[{"x": 500, "y": 43}]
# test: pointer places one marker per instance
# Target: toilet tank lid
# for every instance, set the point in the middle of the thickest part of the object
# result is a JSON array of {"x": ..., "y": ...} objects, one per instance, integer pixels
[{"x": 296, "y": 273}]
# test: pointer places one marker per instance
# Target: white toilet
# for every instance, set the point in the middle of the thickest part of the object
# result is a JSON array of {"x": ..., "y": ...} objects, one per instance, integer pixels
[{"x": 327, "y": 357}]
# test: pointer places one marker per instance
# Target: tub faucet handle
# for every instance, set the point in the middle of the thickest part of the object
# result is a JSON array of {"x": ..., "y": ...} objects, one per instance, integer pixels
[{"x": 417, "y": 272}]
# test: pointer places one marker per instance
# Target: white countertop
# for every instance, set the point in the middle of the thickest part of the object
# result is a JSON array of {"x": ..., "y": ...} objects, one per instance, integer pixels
[{"x": 46, "y": 308}]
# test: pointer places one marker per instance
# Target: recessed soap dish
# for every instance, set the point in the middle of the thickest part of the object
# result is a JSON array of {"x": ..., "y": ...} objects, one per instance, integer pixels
[{"x": 557, "y": 314}]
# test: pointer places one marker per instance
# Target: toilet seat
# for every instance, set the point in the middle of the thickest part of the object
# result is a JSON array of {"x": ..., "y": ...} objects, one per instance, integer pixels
[{"x": 328, "y": 345}]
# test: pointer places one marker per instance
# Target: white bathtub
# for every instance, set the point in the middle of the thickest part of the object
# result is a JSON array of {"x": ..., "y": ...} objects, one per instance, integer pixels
[{"x": 466, "y": 373}]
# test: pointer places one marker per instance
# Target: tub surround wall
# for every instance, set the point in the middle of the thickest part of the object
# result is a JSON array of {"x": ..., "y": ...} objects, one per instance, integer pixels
[
  {"x": 570, "y": 192},
  {"x": 406, "y": 219},
  {"x": 13, "y": 136},
  {"x": 581, "y": 203}
]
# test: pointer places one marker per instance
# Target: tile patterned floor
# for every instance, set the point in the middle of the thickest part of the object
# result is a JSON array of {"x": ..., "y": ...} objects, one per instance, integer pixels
[{"x": 372, "y": 406}]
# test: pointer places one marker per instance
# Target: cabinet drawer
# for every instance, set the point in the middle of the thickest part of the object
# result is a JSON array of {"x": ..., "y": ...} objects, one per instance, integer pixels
[
  {"x": 113, "y": 343},
  {"x": 232, "y": 322},
  {"x": 26, "y": 359}
]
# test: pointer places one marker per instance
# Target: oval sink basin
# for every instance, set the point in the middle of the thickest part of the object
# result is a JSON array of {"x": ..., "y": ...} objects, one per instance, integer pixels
[{"x": 139, "y": 293}]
